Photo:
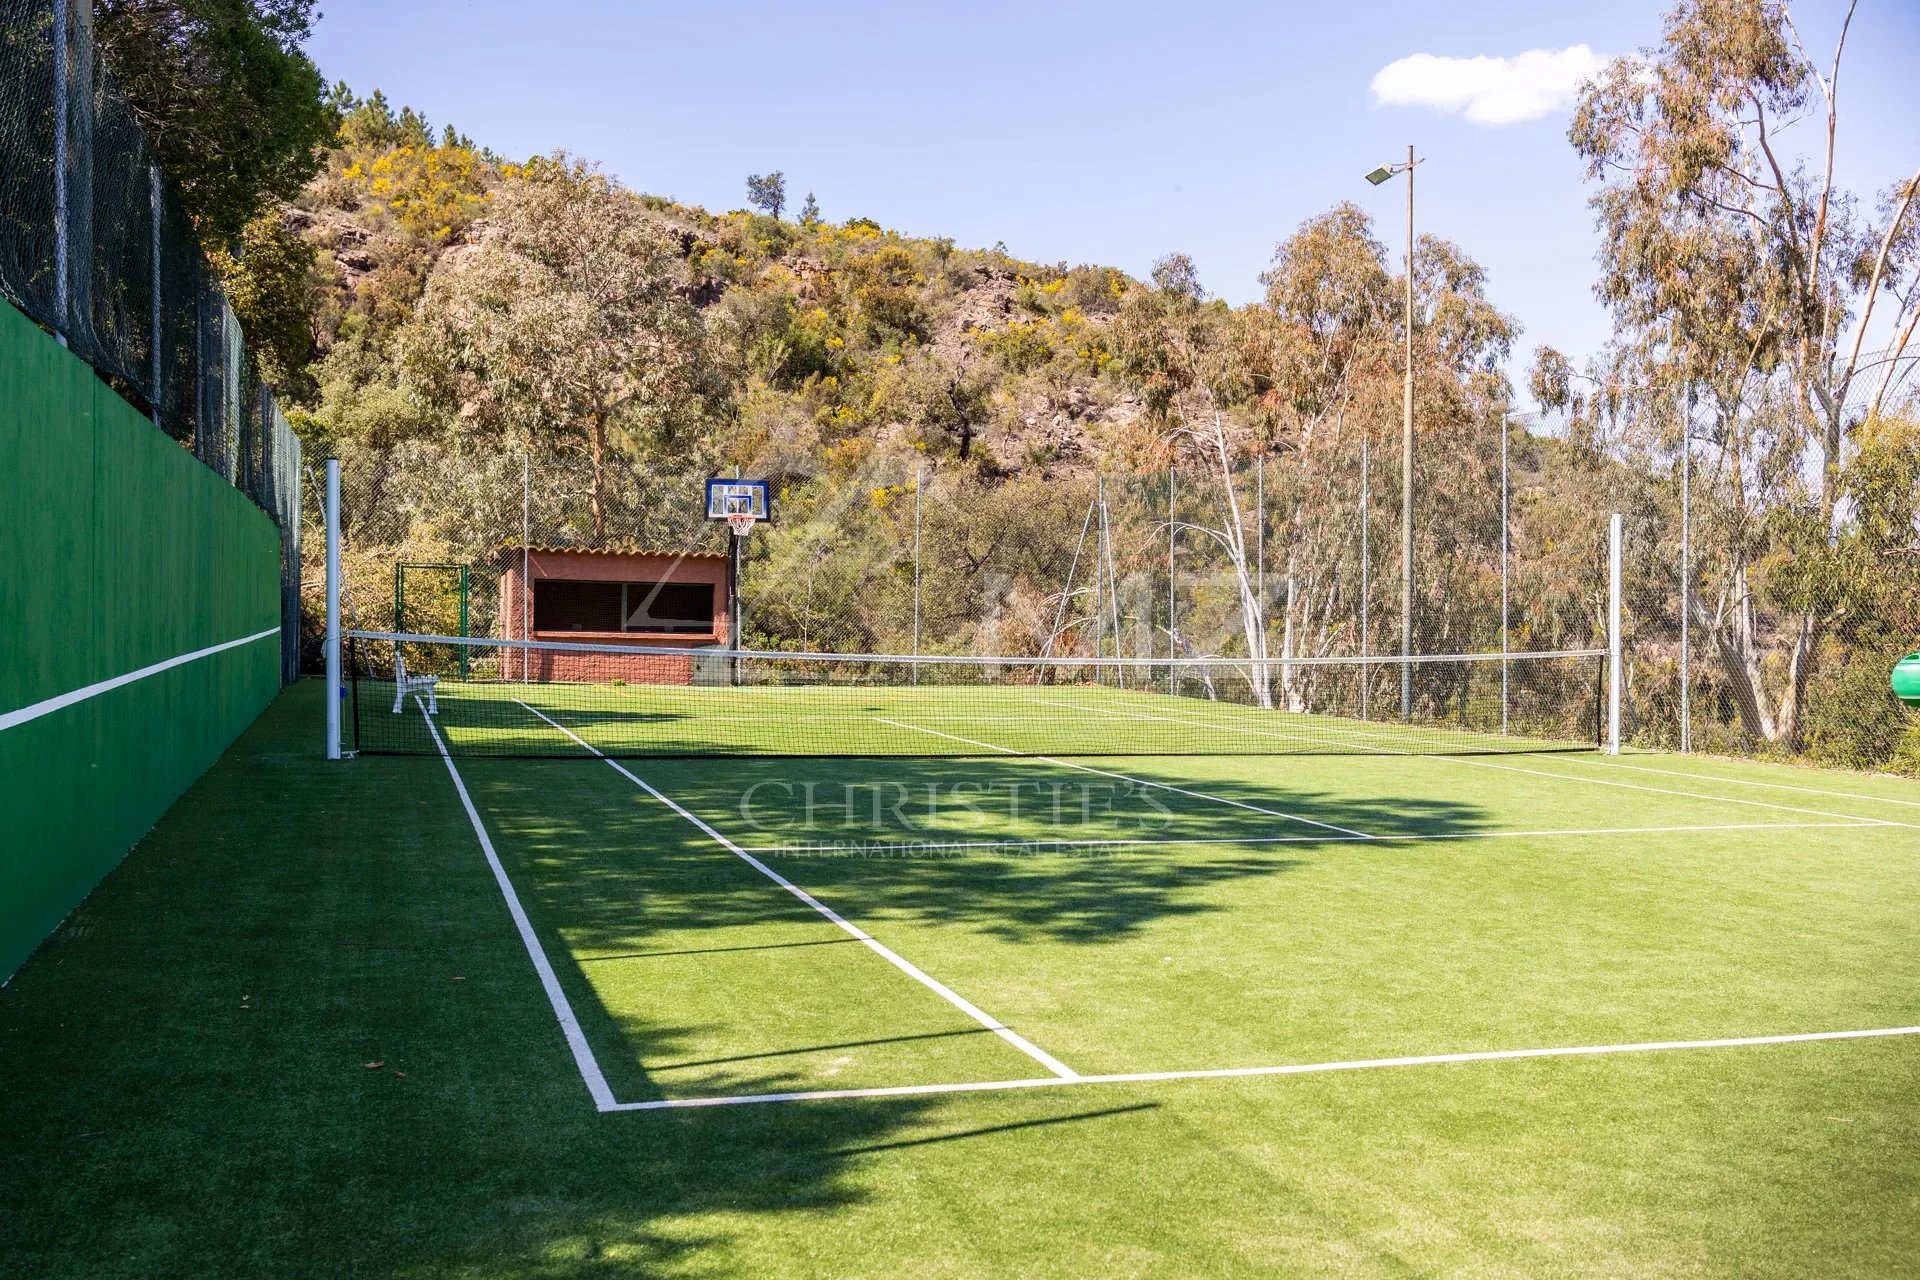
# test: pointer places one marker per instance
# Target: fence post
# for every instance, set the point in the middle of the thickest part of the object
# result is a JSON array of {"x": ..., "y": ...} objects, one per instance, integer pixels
[
  {"x": 526, "y": 560},
  {"x": 1686, "y": 583},
  {"x": 1366, "y": 586},
  {"x": 1113, "y": 583},
  {"x": 1615, "y": 664},
  {"x": 1260, "y": 538},
  {"x": 61, "y": 144},
  {"x": 1505, "y": 648},
  {"x": 153, "y": 250},
  {"x": 1173, "y": 638},
  {"x": 334, "y": 689},
  {"x": 919, "y": 483}
]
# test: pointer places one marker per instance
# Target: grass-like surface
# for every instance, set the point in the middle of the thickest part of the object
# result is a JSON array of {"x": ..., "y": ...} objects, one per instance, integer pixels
[
  {"x": 1553, "y": 704},
  {"x": 187, "y": 1088}
]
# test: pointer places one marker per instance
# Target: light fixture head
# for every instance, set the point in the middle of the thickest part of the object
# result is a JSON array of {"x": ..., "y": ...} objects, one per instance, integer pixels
[{"x": 1380, "y": 175}]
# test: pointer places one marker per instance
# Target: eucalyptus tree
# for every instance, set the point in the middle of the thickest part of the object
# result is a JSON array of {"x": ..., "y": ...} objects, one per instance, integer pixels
[
  {"x": 1742, "y": 278},
  {"x": 568, "y": 322}
]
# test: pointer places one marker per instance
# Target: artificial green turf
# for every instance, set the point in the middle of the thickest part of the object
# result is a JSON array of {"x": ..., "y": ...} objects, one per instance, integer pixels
[
  {"x": 894, "y": 717},
  {"x": 187, "y": 1089}
]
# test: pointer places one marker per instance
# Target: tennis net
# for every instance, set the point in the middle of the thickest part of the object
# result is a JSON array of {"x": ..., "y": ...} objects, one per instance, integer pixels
[{"x": 491, "y": 697}]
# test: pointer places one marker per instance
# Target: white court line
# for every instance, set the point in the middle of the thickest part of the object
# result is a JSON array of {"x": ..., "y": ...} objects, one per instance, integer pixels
[
  {"x": 569, "y": 1025},
  {"x": 1316, "y": 732},
  {"x": 47, "y": 706},
  {"x": 1667, "y": 791},
  {"x": 1162, "y": 842},
  {"x": 879, "y": 948},
  {"x": 1542, "y": 773},
  {"x": 1235, "y": 1073},
  {"x": 1752, "y": 782},
  {"x": 1143, "y": 782}
]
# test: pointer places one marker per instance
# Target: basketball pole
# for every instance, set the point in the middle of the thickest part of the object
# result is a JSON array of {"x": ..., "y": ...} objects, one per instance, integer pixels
[{"x": 733, "y": 599}]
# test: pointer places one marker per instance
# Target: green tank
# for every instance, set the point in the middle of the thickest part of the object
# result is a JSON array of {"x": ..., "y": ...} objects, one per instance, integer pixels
[{"x": 1906, "y": 680}]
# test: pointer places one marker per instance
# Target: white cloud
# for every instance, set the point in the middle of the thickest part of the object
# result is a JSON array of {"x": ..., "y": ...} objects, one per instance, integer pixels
[{"x": 1491, "y": 91}]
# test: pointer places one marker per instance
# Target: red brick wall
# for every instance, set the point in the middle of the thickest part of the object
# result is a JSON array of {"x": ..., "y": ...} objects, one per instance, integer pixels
[{"x": 634, "y": 566}]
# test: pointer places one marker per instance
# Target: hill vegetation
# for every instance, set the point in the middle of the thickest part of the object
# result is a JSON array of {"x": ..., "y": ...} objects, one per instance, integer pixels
[{"x": 434, "y": 311}]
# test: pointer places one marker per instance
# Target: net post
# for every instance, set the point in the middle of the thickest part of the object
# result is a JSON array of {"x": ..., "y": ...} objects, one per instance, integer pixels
[
  {"x": 333, "y": 609},
  {"x": 1615, "y": 665}
]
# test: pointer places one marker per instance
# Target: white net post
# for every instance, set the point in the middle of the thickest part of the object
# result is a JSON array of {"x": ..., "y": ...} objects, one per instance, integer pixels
[
  {"x": 334, "y": 689},
  {"x": 1616, "y": 668}
]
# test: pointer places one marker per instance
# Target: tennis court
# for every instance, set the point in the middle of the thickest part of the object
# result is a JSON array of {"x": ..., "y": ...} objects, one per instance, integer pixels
[
  {"x": 1522, "y": 1012},
  {"x": 898, "y": 890}
]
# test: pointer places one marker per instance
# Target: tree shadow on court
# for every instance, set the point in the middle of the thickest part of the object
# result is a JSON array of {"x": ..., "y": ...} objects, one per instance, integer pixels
[
  {"x": 296, "y": 1033},
  {"x": 625, "y": 872}
]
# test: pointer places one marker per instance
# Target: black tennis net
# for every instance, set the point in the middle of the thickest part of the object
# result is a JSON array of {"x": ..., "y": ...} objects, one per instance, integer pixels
[{"x": 414, "y": 694}]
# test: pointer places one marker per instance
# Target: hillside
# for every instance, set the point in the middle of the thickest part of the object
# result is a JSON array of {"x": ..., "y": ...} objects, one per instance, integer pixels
[{"x": 820, "y": 333}]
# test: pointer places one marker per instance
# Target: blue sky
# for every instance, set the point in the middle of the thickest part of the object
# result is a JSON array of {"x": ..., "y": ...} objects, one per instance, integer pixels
[{"x": 1108, "y": 133}]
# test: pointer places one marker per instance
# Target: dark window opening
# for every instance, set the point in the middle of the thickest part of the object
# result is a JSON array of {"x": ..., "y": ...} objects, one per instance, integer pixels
[{"x": 658, "y": 608}]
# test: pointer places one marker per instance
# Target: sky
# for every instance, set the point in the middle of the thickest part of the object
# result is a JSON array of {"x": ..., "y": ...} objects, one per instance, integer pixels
[{"x": 1108, "y": 133}]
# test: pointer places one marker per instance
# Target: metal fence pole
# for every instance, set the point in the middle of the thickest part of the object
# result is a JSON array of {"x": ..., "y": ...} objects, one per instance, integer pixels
[
  {"x": 1616, "y": 666},
  {"x": 1113, "y": 583},
  {"x": 1173, "y": 641},
  {"x": 1366, "y": 585},
  {"x": 334, "y": 689},
  {"x": 526, "y": 560},
  {"x": 153, "y": 189},
  {"x": 1505, "y": 648},
  {"x": 1686, "y": 584},
  {"x": 61, "y": 145},
  {"x": 1260, "y": 538},
  {"x": 919, "y": 483}
]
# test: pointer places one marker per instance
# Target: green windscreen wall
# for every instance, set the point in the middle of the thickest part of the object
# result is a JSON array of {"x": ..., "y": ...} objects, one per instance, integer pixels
[{"x": 118, "y": 551}]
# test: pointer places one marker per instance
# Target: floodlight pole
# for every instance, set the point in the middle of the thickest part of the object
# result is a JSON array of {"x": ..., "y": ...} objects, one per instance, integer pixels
[
  {"x": 334, "y": 689},
  {"x": 1378, "y": 176},
  {"x": 1406, "y": 479}
]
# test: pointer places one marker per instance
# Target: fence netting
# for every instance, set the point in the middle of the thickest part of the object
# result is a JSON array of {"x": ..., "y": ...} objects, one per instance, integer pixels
[
  {"x": 1266, "y": 562},
  {"x": 95, "y": 247}
]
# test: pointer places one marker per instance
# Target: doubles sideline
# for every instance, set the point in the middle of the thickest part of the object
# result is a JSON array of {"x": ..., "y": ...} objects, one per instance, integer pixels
[
  {"x": 1062, "y": 1076},
  {"x": 952, "y": 997},
  {"x": 1173, "y": 840},
  {"x": 1241, "y": 1073},
  {"x": 1360, "y": 744}
]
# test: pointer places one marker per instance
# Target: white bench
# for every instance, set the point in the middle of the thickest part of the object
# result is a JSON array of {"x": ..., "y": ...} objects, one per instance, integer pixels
[{"x": 404, "y": 684}]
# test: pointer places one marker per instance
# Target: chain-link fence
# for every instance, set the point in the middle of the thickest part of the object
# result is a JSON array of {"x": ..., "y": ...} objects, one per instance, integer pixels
[
  {"x": 903, "y": 555},
  {"x": 95, "y": 247},
  {"x": 1272, "y": 560}
]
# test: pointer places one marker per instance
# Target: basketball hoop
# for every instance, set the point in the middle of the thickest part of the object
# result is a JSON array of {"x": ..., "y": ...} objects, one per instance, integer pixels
[{"x": 741, "y": 522}]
